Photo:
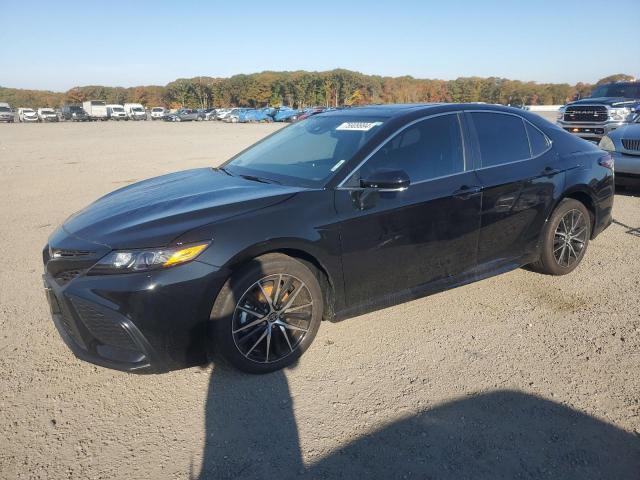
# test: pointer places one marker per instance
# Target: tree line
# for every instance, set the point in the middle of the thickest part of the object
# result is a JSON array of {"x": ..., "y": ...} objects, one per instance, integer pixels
[{"x": 301, "y": 89}]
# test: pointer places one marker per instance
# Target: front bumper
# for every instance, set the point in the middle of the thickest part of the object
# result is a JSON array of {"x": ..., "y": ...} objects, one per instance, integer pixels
[
  {"x": 625, "y": 163},
  {"x": 49, "y": 119},
  {"x": 589, "y": 130},
  {"x": 6, "y": 118},
  {"x": 147, "y": 322},
  {"x": 29, "y": 119}
]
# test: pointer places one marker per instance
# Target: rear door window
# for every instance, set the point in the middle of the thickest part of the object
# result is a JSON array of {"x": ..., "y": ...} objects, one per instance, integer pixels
[{"x": 502, "y": 138}]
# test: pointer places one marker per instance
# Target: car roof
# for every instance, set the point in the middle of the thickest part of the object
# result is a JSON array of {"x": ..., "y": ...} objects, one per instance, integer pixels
[{"x": 402, "y": 109}]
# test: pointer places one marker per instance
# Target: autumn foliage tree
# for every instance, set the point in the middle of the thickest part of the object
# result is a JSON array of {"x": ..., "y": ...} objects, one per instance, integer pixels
[{"x": 302, "y": 89}]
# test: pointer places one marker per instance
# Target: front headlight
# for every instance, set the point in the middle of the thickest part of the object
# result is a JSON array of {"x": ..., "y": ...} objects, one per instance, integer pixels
[
  {"x": 125, "y": 261},
  {"x": 619, "y": 114},
  {"x": 560, "y": 114},
  {"x": 607, "y": 144}
]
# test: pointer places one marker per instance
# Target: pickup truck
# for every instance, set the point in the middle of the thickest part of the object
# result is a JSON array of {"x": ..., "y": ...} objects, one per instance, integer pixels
[{"x": 610, "y": 106}]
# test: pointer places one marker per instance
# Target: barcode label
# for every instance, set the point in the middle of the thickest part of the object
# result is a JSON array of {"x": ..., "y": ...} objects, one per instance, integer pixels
[{"x": 358, "y": 126}]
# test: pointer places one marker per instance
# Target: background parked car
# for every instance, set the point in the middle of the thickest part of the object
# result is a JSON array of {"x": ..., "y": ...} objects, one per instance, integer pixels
[
  {"x": 222, "y": 113},
  {"x": 253, "y": 115},
  {"x": 285, "y": 114},
  {"x": 47, "y": 115},
  {"x": 6, "y": 114},
  {"x": 212, "y": 114},
  {"x": 135, "y": 111},
  {"x": 116, "y": 112},
  {"x": 183, "y": 115},
  {"x": 158, "y": 113},
  {"x": 610, "y": 106},
  {"x": 27, "y": 115},
  {"x": 96, "y": 109},
  {"x": 74, "y": 113},
  {"x": 624, "y": 146}
]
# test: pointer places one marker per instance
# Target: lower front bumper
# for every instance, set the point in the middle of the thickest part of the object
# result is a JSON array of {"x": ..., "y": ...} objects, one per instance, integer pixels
[
  {"x": 589, "y": 131},
  {"x": 149, "y": 322}
]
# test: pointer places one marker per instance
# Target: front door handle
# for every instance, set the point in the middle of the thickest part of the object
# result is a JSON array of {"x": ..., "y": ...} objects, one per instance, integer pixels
[
  {"x": 549, "y": 171},
  {"x": 467, "y": 191}
]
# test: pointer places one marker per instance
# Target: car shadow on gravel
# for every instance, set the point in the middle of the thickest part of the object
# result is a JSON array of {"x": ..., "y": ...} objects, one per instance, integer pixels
[
  {"x": 252, "y": 434},
  {"x": 630, "y": 230}
]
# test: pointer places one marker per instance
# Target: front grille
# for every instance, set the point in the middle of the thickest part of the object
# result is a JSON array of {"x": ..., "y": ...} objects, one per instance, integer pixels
[
  {"x": 108, "y": 331},
  {"x": 586, "y": 113},
  {"x": 65, "y": 277},
  {"x": 67, "y": 321},
  {"x": 630, "y": 144}
]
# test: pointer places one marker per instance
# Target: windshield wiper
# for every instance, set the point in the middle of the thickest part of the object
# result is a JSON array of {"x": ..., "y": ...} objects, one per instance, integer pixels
[
  {"x": 222, "y": 169},
  {"x": 259, "y": 179}
]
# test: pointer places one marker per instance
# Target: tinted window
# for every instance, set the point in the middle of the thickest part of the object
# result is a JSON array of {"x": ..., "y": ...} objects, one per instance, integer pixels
[
  {"x": 538, "y": 140},
  {"x": 502, "y": 138},
  {"x": 626, "y": 90},
  {"x": 429, "y": 149}
]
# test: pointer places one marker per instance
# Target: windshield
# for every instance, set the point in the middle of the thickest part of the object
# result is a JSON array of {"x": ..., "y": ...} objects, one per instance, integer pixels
[
  {"x": 47, "y": 110},
  {"x": 76, "y": 109},
  {"x": 137, "y": 109},
  {"x": 308, "y": 152},
  {"x": 27, "y": 110},
  {"x": 5, "y": 109},
  {"x": 626, "y": 90},
  {"x": 157, "y": 109},
  {"x": 117, "y": 109}
]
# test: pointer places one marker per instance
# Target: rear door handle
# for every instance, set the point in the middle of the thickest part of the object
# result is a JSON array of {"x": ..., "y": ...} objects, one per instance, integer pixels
[{"x": 467, "y": 191}]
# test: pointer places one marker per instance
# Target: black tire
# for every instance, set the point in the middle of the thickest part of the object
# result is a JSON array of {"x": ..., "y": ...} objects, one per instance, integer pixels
[
  {"x": 554, "y": 244},
  {"x": 226, "y": 310}
]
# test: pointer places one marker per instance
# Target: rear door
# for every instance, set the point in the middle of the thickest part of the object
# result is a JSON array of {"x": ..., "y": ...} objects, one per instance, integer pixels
[
  {"x": 520, "y": 177},
  {"x": 394, "y": 241}
]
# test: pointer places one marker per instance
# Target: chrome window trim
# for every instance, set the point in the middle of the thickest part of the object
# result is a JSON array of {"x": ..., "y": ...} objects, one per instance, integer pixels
[
  {"x": 341, "y": 186},
  {"x": 532, "y": 157}
]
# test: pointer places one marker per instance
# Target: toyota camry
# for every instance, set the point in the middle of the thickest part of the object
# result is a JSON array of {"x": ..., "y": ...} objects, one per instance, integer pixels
[{"x": 342, "y": 213}]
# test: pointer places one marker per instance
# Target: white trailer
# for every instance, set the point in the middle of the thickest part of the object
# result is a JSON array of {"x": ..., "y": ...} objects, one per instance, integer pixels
[{"x": 96, "y": 109}]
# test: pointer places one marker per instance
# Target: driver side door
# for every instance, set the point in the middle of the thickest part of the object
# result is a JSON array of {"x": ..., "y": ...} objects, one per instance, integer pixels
[{"x": 403, "y": 241}]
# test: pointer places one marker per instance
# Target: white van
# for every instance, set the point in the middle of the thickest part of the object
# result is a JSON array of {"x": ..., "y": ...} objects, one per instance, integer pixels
[
  {"x": 135, "y": 111},
  {"x": 96, "y": 109},
  {"x": 116, "y": 112}
]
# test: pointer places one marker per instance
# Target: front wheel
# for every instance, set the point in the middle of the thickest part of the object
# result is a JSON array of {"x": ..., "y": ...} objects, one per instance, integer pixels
[
  {"x": 565, "y": 238},
  {"x": 267, "y": 314}
]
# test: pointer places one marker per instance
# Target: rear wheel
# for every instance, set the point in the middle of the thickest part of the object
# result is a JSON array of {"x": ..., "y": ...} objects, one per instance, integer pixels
[
  {"x": 565, "y": 238},
  {"x": 267, "y": 314}
]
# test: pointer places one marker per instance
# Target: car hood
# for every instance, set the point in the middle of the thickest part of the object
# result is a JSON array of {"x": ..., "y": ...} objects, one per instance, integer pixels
[
  {"x": 611, "y": 101},
  {"x": 630, "y": 131},
  {"x": 155, "y": 212}
]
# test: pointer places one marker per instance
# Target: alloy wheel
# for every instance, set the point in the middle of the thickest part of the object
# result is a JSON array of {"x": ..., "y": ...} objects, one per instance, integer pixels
[
  {"x": 272, "y": 317},
  {"x": 570, "y": 238}
]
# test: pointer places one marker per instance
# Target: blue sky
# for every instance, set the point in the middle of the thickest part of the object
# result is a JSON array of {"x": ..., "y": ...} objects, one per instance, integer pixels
[{"x": 60, "y": 44}]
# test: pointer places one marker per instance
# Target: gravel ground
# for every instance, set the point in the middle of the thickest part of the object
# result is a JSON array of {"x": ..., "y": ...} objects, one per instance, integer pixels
[{"x": 518, "y": 376}]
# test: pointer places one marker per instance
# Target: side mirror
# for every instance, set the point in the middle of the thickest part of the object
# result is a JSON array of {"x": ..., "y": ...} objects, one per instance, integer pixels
[{"x": 386, "y": 180}]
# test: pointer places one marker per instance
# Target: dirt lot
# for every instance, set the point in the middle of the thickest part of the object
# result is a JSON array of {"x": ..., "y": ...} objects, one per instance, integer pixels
[{"x": 518, "y": 376}]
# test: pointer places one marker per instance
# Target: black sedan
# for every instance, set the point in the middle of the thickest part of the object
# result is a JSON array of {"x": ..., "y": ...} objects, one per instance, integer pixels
[{"x": 342, "y": 213}]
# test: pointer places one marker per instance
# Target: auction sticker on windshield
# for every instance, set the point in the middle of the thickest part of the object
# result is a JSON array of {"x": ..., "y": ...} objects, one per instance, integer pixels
[{"x": 358, "y": 126}]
